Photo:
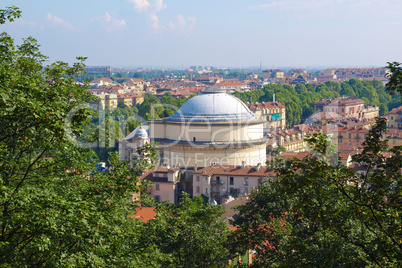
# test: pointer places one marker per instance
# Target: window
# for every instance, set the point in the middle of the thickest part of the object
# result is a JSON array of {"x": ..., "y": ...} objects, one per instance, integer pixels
[
  {"x": 156, "y": 187},
  {"x": 198, "y": 189},
  {"x": 392, "y": 118},
  {"x": 246, "y": 190},
  {"x": 157, "y": 198},
  {"x": 206, "y": 190},
  {"x": 198, "y": 178},
  {"x": 231, "y": 181},
  {"x": 350, "y": 135},
  {"x": 218, "y": 179},
  {"x": 343, "y": 110}
]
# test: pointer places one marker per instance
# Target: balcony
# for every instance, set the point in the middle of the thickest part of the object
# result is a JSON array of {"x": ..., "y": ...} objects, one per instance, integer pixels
[{"x": 215, "y": 193}]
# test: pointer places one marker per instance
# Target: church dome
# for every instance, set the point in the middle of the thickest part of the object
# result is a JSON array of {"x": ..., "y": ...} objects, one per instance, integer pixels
[
  {"x": 213, "y": 105},
  {"x": 142, "y": 133}
]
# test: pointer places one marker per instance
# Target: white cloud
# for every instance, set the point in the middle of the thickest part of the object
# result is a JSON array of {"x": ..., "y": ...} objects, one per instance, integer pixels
[
  {"x": 110, "y": 23},
  {"x": 152, "y": 8},
  {"x": 154, "y": 21},
  {"x": 140, "y": 5},
  {"x": 183, "y": 24},
  {"x": 55, "y": 21},
  {"x": 159, "y": 5}
]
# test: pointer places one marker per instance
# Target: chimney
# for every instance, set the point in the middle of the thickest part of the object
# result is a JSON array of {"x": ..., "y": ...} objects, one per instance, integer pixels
[
  {"x": 273, "y": 98},
  {"x": 258, "y": 167}
]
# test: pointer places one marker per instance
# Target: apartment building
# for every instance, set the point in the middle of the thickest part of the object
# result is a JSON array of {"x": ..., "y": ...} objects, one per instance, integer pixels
[
  {"x": 273, "y": 73},
  {"x": 221, "y": 183},
  {"x": 165, "y": 181},
  {"x": 274, "y": 113},
  {"x": 347, "y": 107},
  {"x": 395, "y": 118},
  {"x": 394, "y": 137}
]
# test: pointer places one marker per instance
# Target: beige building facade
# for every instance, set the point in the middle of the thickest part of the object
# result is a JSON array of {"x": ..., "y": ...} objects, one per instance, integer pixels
[
  {"x": 220, "y": 183},
  {"x": 274, "y": 113},
  {"x": 395, "y": 118},
  {"x": 164, "y": 185}
]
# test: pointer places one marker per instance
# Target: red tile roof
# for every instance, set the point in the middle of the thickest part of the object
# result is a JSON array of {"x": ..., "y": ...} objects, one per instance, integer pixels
[
  {"x": 144, "y": 213},
  {"x": 265, "y": 105},
  {"x": 395, "y": 110},
  {"x": 340, "y": 101}
]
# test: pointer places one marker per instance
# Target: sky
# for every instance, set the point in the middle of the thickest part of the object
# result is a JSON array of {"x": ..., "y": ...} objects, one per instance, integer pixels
[{"x": 220, "y": 33}]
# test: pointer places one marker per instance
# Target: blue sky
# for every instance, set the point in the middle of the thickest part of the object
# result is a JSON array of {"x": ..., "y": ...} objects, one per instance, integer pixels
[{"x": 223, "y": 33}]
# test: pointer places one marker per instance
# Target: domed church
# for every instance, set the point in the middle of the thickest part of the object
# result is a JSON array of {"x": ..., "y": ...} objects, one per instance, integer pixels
[
  {"x": 129, "y": 145},
  {"x": 211, "y": 128}
]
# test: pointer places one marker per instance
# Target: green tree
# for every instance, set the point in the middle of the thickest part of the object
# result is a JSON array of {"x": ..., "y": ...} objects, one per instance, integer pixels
[
  {"x": 300, "y": 88},
  {"x": 395, "y": 75},
  {"x": 55, "y": 209},
  {"x": 383, "y": 109},
  {"x": 320, "y": 213},
  {"x": 121, "y": 105},
  {"x": 188, "y": 234},
  {"x": 333, "y": 86},
  {"x": 346, "y": 90},
  {"x": 151, "y": 107}
]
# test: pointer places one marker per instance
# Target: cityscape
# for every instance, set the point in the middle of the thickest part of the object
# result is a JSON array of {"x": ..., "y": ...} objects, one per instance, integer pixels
[
  {"x": 230, "y": 134},
  {"x": 222, "y": 132}
]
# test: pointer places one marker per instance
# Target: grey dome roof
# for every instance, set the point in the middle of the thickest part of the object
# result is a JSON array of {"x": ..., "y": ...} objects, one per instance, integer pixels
[
  {"x": 213, "y": 105},
  {"x": 141, "y": 131}
]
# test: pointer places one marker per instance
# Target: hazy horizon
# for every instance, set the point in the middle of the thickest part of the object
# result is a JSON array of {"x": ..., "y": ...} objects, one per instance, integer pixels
[{"x": 235, "y": 34}]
